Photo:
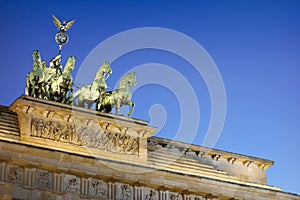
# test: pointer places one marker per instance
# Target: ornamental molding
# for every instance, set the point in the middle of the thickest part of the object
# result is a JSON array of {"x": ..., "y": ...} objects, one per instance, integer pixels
[
  {"x": 88, "y": 186},
  {"x": 78, "y": 130},
  {"x": 204, "y": 153}
]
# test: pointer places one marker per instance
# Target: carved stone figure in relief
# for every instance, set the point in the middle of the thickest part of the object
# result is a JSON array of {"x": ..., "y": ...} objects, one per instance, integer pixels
[
  {"x": 126, "y": 192},
  {"x": 174, "y": 197},
  {"x": 84, "y": 136},
  {"x": 73, "y": 185},
  {"x": 14, "y": 174},
  {"x": 53, "y": 130},
  {"x": 43, "y": 179},
  {"x": 151, "y": 195},
  {"x": 97, "y": 188}
]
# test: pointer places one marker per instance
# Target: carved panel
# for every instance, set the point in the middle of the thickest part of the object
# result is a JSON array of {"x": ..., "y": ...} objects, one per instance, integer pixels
[
  {"x": 192, "y": 197},
  {"x": 84, "y": 136},
  {"x": 43, "y": 179},
  {"x": 151, "y": 194},
  {"x": 71, "y": 184},
  {"x": 199, "y": 198},
  {"x": 53, "y": 130},
  {"x": 88, "y": 187},
  {"x": 124, "y": 192},
  {"x": 98, "y": 188},
  {"x": 14, "y": 174},
  {"x": 175, "y": 196},
  {"x": 114, "y": 142},
  {"x": 2, "y": 171}
]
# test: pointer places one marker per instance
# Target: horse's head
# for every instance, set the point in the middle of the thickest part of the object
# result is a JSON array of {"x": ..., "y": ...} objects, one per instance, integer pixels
[
  {"x": 36, "y": 58},
  {"x": 36, "y": 54},
  {"x": 129, "y": 79},
  {"x": 70, "y": 64},
  {"x": 103, "y": 70}
]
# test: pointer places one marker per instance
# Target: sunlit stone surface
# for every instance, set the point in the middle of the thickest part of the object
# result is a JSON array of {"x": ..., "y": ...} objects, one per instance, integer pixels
[{"x": 57, "y": 151}]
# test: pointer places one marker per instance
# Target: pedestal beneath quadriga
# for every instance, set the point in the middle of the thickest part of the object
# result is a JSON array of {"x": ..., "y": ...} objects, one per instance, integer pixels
[
  {"x": 81, "y": 131},
  {"x": 56, "y": 151}
]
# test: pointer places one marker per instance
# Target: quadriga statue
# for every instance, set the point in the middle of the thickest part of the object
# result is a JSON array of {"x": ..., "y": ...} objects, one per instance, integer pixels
[
  {"x": 51, "y": 82},
  {"x": 55, "y": 83}
]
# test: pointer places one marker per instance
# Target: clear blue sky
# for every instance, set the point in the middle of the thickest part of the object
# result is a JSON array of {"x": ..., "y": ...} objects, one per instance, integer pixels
[{"x": 255, "y": 45}]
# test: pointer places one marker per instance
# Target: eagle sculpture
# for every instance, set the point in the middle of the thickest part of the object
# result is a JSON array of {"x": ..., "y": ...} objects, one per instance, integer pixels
[
  {"x": 64, "y": 26},
  {"x": 62, "y": 37}
]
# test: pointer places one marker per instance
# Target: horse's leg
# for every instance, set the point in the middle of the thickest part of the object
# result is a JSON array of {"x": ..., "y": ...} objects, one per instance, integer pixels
[
  {"x": 27, "y": 86},
  {"x": 40, "y": 90},
  {"x": 36, "y": 87},
  {"x": 98, "y": 105},
  {"x": 130, "y": 103},
  {"x": 117, "y": 109},
  {"x": 80, "y": 101},
  {"x": 49, "y": 92},
  {"x": 68, "y": 97},
  {"x": 61, "y": 95},
  {"x": 38, "y": 94},
  {"x": 43, "y": 90},
  {"x": 89, "y": 104},
  {"x": 98, "y": 102},
  {"x": 33, "y": 88}
]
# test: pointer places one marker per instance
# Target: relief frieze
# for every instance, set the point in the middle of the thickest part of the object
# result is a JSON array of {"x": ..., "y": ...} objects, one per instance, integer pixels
[{"x": 84, "y": 136}]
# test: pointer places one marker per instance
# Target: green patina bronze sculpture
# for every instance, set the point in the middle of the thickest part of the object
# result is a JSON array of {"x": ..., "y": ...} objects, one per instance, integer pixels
[
  {"x": 35, "y": 79},
  {"x": 50, "y": 82},
  {"x": 121, "y": 96},
  {"x": 61, "y": 85},
  {"x": 55, "y": 83},
  {"x": 92, "y": 93},
  {"x": 61, "y": 36}
]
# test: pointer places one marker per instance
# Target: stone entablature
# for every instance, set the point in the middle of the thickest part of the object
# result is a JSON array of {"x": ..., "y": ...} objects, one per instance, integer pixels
[
  {"x": 50, "y": 150},
  {"x": 236, "y": 166},
  {"x": 79, "y": 130},
  {"x": 32, "y": 173},
  {"x": 86, "y": 132}
]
